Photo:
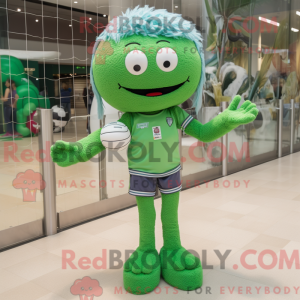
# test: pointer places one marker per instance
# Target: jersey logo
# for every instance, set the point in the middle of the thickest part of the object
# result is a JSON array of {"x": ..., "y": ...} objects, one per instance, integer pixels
[
  {"x": 169, "y": 121},
  {"x": 142, "y": 125},
  {"x": 156, "y": 133}
]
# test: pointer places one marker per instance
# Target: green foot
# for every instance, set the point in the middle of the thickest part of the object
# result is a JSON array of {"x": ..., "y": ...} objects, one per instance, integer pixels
[
  {"x": 142, "y": 272},
  {"x": 181, "y": 269}
]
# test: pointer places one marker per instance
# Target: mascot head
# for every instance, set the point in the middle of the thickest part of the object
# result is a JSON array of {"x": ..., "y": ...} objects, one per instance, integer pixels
[{"x": 148, "y": 60}]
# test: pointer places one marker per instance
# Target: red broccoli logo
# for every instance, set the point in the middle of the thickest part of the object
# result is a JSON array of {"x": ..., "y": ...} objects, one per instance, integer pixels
[
  {"x": 87, "y": 288},
  {"x": 29, "y": 182}
]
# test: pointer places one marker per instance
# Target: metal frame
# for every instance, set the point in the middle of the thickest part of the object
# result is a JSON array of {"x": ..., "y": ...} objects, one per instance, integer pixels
[
  {"x": 280, "y": 124},
  {"x": 47, "y": 169},
  {"x": 289, "y": 134},
  {"x": 1, "y": 104},
  {"x": 224, "y": 156},
  {"x": 292, "y": 126},
  {"x": 20, "y": 234},
  {"x": 102, "y": 167},
  {"x": 235, "y": 167}
]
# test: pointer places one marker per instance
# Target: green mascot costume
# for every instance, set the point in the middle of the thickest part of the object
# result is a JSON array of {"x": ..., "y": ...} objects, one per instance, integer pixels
[{"x": 145, "y": 64}]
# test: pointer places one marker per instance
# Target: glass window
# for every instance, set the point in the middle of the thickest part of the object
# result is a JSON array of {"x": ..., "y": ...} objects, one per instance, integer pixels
[{"x": 251, "y": 49}]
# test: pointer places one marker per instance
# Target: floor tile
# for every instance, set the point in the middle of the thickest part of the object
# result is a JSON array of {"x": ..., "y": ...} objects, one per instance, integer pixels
[
  {"x": 198, "y": 228},
  {"x": 127, "y": 234},
  {"x": 286, "y": 231},
  {"x": 238, "y": 207},
  {"x": 26, "y": 291},
  {"x": 62, "y": 238},
  {"x": 51, "y": 296},
  {"x": 266, "y": 272},
  {"x": 100, "y": 225},
  {"x": 232, "y": 236},
  {"x": 250, "y": 223},
  {"x": 271, "y": 241},
  {"x": 36, "y": 266},
  {"x": 9, "y": 281},
  {"x": 18, "y": 254}
]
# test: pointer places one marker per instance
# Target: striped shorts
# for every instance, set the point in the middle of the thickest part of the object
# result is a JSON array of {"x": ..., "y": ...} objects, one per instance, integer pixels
[{"x": 146, "y": 186}]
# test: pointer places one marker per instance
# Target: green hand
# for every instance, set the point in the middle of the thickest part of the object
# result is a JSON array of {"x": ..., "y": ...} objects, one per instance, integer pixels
[
  {"x": 224, "y": 122},
  {"x": 234, "y": 117},
  {"x": 66, "y": 154}
]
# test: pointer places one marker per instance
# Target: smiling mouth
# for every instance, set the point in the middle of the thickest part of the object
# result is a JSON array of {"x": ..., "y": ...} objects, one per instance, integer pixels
[{"x": 155, "y": 92}]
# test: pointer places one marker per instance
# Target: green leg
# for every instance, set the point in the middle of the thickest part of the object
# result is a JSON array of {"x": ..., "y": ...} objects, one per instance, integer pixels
[
  {"x": 142, "y": 269},
  {"x": 180, "y": 268}
]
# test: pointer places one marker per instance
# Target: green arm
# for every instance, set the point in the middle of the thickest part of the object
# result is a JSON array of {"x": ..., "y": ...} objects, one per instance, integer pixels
[
  {"x": 224, "y": 122},
  {"x": 66, "y": 154}
]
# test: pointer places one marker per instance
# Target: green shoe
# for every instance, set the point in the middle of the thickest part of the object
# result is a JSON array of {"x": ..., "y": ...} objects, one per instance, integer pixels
[
  {"x": 141, "y": 273},
  {"x": 181, "y": 269}
]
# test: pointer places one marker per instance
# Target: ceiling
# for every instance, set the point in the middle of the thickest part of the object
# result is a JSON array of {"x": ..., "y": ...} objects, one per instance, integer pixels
[
  {"x": 100, "y": 6},
  {"x": 92, "y": 6}
]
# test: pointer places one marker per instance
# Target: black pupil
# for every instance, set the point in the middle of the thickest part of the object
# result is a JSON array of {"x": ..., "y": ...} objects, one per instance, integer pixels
[
  {"x": 137, "y": 68},
  {"x": 167, "y": 64}
]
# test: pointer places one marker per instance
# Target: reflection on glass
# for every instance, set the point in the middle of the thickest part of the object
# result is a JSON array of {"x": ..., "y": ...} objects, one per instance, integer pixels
[
  {"x": 75, "y": 182},
  {"x": 21, "y": 200},
  {"x": 251, "y": 53}
]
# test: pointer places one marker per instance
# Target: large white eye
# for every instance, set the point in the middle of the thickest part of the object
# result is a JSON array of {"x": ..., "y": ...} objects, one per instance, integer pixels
[
  {"x": 166, "y": 59},
  {"x": 136, "y": 62}
]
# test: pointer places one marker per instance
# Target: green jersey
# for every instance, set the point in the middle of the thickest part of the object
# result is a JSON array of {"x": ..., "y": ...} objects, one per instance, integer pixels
[{"x": 154, "y": 147}]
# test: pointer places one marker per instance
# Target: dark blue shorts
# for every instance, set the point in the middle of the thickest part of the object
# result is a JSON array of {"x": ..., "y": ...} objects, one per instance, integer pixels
[{"x": 146, "y": 186}]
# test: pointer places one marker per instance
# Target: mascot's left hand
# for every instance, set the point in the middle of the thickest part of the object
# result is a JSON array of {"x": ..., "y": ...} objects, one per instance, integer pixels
[{"x": 233, "y": 117}]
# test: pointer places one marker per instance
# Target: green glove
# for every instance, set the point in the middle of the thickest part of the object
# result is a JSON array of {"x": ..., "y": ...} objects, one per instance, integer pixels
[
  {"x": 224, "y": 122},
  {"x": 66, "y": 154},
  {"x": 233, "y": 117}
]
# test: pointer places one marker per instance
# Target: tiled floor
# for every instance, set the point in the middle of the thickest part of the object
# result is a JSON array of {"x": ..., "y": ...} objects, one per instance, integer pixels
[{"x": 265, "y": 215}]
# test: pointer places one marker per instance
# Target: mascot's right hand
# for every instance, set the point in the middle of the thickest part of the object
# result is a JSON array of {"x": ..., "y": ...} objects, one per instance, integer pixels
[{"x": 65, "y": 154}]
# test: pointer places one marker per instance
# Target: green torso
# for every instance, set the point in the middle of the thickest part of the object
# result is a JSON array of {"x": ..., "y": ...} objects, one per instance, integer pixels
[{"x": 154, "y": 146}]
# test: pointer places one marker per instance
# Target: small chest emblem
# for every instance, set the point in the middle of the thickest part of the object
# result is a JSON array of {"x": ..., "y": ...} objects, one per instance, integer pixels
[
  {"x": 142, "y": 125},
  {"x": 169, "y": 121}
]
